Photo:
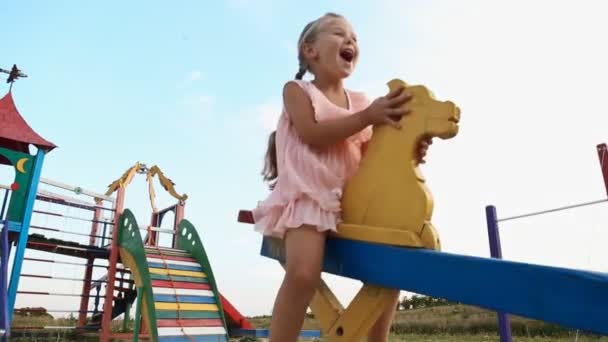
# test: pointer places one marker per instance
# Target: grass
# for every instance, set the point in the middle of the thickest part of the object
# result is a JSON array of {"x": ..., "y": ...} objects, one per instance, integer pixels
[
  {"x": 463, "y": 323},
  {"x": 453, "y": 323},
  {"x": 485, "y": 338},
  {"x": 474, "y": 338}
]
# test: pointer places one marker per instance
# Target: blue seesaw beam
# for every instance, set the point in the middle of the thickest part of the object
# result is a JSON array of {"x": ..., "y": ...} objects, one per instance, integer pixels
[{"x": 567, "y": 297}]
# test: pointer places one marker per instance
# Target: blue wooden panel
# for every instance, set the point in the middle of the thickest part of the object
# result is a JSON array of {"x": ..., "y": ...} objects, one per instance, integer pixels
[
  {"x": 571, "y": 298},
  {"x": 23, "y": 235},
  {"x": 196, "y": 338},
  {"x": 175, "y": 267},
  {"x": 184, "y": 299},
  {"x": 265, "y": 333},
  {"x": 14, "y": 226}
]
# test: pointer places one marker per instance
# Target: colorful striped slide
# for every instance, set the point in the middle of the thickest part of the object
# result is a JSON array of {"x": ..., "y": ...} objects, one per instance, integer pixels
[{"x": 178, "y": 294}]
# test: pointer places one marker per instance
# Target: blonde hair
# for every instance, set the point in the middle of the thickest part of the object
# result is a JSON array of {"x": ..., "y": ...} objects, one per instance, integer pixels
[
  {"x": 309, "y": 35},
  {"x": 270, "y": 172}
]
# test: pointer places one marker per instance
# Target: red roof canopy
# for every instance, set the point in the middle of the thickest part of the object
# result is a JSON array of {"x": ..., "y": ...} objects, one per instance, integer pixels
[{"x": 15, "y": 133}]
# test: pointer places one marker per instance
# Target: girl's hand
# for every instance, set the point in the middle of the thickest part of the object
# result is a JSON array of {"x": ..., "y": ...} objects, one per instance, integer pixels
[
  {"x": 388, "y": 109},
  {"x": 423, "y": 147}
]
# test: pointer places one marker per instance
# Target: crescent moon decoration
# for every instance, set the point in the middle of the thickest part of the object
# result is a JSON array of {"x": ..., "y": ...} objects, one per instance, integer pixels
[{"x": 20, "y": 165}]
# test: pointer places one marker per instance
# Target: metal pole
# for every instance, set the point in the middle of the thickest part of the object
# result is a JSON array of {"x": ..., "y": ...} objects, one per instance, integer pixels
[
  {"x": 76, "y": 189},
  {"x": 572, "y": 206},
  {"x": 4, "y": 321},
  {"x": 4, "y": 203},
  {"x": 179, "y": 216},
  {"x": 602, "y": 153},
  {"x": 88, "y": 272},
  {"x": 97, "y": 289},
  {"x": 103, "y": 235},
  {"x": 113, "y": 260},
  {"x": 4, "y": 255},
  {"x": 504, "y": 324}
]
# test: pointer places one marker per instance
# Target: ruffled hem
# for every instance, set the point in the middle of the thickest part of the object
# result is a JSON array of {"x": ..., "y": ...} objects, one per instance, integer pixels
[{"x": 275, "y": 219}]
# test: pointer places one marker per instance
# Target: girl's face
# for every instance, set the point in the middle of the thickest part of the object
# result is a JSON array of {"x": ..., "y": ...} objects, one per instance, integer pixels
[{"x": 335, "y": 51}]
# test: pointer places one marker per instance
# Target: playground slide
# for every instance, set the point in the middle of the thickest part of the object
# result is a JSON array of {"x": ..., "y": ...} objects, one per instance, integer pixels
[
  {"x": 234, "y": 318},
  {"x": 179, "y": 296}
]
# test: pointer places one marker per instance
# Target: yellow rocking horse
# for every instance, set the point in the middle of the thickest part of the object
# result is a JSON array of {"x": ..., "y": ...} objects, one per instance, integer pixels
[{"x": 387, "y": 202}]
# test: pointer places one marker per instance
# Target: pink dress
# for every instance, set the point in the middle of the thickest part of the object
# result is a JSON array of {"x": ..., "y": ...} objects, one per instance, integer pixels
[{"x": 310, "y": 182}]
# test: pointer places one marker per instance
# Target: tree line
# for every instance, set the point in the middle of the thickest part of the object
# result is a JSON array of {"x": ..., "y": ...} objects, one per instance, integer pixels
[{"x": 420, "y": 301}]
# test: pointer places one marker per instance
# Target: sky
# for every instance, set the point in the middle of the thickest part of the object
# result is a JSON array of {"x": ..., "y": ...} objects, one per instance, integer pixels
[{"x": 195, "y": 88}]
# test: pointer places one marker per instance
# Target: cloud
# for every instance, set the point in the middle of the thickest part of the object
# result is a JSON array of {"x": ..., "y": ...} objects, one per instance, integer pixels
[{"x": 195, "y": 75}]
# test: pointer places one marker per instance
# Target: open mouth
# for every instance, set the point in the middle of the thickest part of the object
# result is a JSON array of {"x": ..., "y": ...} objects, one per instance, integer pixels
[{"x": 347, "y": 54}]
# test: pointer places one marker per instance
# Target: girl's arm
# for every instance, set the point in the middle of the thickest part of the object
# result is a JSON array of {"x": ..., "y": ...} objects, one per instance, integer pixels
[{"x": 321, "y": 134}]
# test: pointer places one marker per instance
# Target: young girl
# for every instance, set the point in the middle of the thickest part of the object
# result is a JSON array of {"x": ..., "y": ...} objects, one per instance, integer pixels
[{"x": 321, "y": 136}]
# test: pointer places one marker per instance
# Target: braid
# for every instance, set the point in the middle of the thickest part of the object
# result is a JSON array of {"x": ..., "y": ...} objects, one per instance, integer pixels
[{"x": 301, "y": 71}]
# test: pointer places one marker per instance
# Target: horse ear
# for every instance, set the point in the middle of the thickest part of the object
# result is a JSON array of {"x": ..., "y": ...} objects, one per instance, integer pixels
[{"x": 396, "y": 83}]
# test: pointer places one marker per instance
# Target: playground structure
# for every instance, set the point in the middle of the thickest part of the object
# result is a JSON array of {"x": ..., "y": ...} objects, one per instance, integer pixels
[
  {"x": 175, "y": 295},
  {"x": 387, "y": 212}
]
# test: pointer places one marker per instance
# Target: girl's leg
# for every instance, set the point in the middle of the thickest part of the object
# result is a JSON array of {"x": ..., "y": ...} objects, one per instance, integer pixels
[
  {"x": 381, "y": 329},
  {"x": 304, "y": 248}
]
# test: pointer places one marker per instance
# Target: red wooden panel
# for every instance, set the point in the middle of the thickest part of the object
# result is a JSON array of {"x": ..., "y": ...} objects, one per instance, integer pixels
[
  {"x": 246, "y": 216},
  {"x": 170, "y": 257},
  {"x": 180, "y": 285},
  {"x": 233, "y": 314},
  {"x": 602, "y": 153}
]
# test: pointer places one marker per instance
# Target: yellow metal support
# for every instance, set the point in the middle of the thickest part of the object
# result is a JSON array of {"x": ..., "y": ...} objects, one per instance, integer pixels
[{"x": 166, "y": 183}]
